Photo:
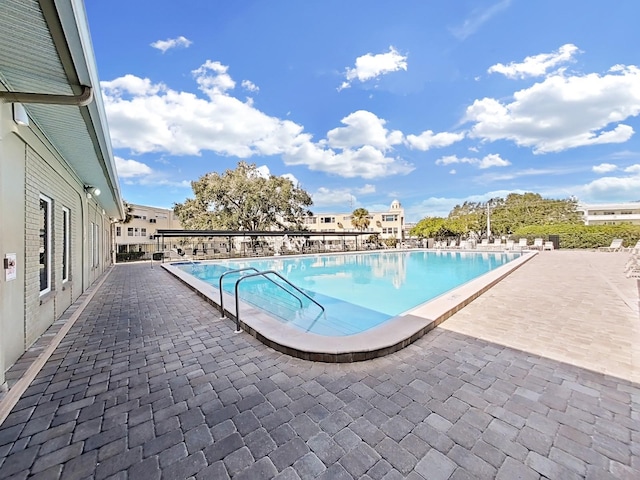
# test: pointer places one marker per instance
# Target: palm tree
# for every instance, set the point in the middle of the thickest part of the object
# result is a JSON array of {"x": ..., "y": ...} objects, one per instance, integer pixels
[{"x": 360, "y": 219}]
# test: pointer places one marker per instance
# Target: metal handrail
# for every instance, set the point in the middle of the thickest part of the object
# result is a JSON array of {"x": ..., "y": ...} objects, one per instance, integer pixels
[
  {"x": 244, "y": 270},
  {"x": 264, "y": 274},
  {"x": 220, "y": 285}
]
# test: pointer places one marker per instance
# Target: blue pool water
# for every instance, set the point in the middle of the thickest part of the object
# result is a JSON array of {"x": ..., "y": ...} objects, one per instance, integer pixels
[{"x": 358, "y": 291}]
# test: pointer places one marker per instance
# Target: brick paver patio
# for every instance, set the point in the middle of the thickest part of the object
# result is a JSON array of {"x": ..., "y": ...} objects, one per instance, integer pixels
[{"x": 538, "y": 378}]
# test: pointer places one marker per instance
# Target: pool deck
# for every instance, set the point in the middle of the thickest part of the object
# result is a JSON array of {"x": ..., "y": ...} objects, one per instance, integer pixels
[{"x": 539, "y": 377}]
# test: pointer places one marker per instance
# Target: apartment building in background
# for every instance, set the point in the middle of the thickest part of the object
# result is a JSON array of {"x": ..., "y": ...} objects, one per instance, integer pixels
[
  {"x": 610, "y": 213},
  {"x": 387, "y": 224},
  {"x": 139, "y": 234}
]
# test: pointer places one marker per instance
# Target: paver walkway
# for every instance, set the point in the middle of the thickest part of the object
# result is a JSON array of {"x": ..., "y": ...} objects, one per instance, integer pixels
[{"x": 538, "y": 378}]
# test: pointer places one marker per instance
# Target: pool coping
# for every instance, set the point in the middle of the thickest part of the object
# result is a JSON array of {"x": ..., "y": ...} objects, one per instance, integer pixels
[{"x": 388, "y": 337}]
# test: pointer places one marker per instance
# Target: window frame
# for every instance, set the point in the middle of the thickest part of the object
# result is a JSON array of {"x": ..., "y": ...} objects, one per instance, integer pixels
[
  {"x": 66, "y": 244},
  {"x": 45, "y": 244}
]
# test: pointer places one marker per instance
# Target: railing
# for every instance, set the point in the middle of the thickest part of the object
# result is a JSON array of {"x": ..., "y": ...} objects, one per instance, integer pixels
[
  {"x": 239, "y": 270},
  {"x": 264, "y": 274}
]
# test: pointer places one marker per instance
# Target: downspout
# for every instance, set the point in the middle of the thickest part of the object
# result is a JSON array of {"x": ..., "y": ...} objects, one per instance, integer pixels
[{"x": 81, "y": 100}]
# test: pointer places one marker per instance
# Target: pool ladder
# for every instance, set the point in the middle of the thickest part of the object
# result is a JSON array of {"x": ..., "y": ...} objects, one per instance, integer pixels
[{"x": 263, "y": 274}]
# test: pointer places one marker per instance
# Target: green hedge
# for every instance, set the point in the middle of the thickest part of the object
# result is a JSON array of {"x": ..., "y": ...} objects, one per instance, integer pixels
[
  {"x": 129, "y": 257},
  {"x": 582, "y": 236}
]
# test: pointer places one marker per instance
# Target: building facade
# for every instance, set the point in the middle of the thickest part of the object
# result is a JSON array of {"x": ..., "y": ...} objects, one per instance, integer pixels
[
  {"x": 388, "y": 224},
  {"x": 610, "y": 213},
  {"x": 59, "y": 190},
  {"x": 139, "y": 234}
]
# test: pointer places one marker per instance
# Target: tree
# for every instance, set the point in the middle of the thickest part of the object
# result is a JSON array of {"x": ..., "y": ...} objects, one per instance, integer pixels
[
  {"x": 519, "y": 210},
  {"x": 244, "y": 199},
  {"x": 506, "y": 216},
  {"x": 428, "y": 227},
  {"x": 360, "y": 219},
  {"x": 128, "y": 211}
]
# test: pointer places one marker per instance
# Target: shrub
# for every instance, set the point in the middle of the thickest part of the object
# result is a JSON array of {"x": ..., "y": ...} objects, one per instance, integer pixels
[
  {"x": 582, "y": 236},
  {"x": 129, "y": 256}
]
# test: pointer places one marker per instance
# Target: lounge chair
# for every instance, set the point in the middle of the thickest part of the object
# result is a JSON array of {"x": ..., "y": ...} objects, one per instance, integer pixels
[
  {"x": 538, "y": 244},
  {"x": 497, "y": 244},
  {"x": 548, "y": 246},
  {"x": 484, "y": 244},
  {"x": 635, "y": 249},
  {"x": 510, "y": 245},
  {"x": 523, "y": 244},
  {"x": 453, "y": 243},
  {"x": 616, "y": 246}
]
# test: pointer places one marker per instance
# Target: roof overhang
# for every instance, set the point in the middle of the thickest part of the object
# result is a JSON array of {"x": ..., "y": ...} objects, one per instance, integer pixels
[{"x": 45, "y": 48}]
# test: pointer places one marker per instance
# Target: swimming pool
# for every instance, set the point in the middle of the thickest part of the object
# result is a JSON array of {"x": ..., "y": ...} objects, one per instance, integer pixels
[
  {"x": 378, "y": 301},
  {"x": 359, "y": 291}
]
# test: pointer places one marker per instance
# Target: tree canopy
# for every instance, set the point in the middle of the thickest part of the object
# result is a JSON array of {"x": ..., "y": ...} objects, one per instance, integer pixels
[
  {"x": 244, "y": 199},
  {"x": 506, "y": 216},
  {"x": 360, "y": 219}
]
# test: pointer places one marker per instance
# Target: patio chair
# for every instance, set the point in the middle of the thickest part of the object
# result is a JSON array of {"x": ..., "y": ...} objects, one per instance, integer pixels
[
  {"x": 538, "y": 244},
  {"x": 497, "y": 244},
  {"x": 484, "y": 244},
  {"x": 548, "y": 246},
  {"x": 635, "y": 249},
  {"x": 616, "y": 246},
  {"x": 523, "y": 244},
  {"x": 510, "y": 245},
  {"x": 453, "y": 243}
]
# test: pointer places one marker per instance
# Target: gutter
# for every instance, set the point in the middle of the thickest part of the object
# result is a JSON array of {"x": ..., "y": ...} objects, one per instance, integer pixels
[{"x": 81, "y": 100}]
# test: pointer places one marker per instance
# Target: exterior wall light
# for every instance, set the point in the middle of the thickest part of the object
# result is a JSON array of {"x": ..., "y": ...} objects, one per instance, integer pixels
[{"x": 91, "y": 191}]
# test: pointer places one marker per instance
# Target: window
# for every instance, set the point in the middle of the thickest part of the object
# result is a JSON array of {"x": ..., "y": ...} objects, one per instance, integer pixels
[
  {"x": 152, "y": 220},
  {"x": 130, "y": 232},
  {"x": 389, "y": 218},
  {"x": 327, "y": 219},
  {"x": 310, "y": 220},
  {"x": 66, "y": 244},
  {"x": 45, "y": 244},
  {"x": 143, "y": 232},
  {"x": 118, "y": 231}
]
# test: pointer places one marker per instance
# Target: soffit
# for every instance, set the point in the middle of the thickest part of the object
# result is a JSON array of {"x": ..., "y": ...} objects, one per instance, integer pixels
[{"x": 30, "y": 62}]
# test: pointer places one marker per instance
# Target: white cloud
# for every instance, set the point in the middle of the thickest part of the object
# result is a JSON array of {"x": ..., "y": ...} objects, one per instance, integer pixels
[
  {"x": 343, "y": 197},
  {"x": 478, "y": 18},
  {"x": 146, "y": 117},
  {"x": 562, "y": 112},
  {"x": 366, "y": 162},
  {"x": 604, "y": 168},
  {"x": 372, "y": 66},
  {"x": 612, "y": 189},
  {"x": 537, "y": 65},
  {"x": 363, "y": 128},
  {"x": 213, "y": 79},
  {"x": 491, "y": 160},
  {"x": 131, "y": 168},
  {"x": 250, "y": 86},
  {"x": 164, "y": 45},
  {"x": 633, "y": 168},
  {"x": 427, "y": 140},
  {"x": 133, "y": 172}
]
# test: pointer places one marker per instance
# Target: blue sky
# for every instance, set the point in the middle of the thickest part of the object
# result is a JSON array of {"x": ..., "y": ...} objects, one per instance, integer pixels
[{"x": 365, "y": 101}]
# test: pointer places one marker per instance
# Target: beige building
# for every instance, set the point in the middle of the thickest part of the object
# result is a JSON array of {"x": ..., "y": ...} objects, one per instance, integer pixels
[
  {"x": 59, "y": 190},
  {"x": 610, "y": 213},
  {"x": 388, "y": 224},
  {"x": 139, "y": 234}
]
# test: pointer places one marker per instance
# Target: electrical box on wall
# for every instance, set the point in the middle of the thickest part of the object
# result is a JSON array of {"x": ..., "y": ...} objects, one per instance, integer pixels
[{"x": 10, "y": 267}]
